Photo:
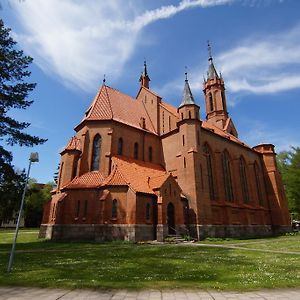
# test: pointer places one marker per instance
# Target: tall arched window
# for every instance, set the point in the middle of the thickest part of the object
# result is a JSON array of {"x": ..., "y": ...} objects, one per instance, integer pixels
[
  {"x": 120, "y": 146},
  {"x": 243, "y": 178},
  {"x": 136, "y": 151},
  {"x": 114, "y": 209},
  {"x": 223, "y": 101},
  {"x": 209, "y": 166},
  {"x": 211, "y": 104},
  {"x": 96, "y": 153},
  {"x": 85, "y": 208},
  {"x": 150, "y": 154},
  {"x": 257, "y": 182},
  {"x": 77, "y": 209},
  {"x": 148, "y": 211},
  {"x": 227, "y": 176}
]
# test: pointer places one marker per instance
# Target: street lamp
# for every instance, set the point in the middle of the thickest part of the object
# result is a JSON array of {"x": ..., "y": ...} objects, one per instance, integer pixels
[{"x": 34, "y": 157}]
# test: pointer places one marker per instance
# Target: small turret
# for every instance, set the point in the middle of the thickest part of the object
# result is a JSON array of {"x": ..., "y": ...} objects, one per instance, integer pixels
[{"x": 144, "y": 78}]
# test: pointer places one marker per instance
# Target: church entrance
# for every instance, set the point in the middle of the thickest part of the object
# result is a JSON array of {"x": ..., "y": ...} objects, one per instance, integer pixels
[{"x": 171, "y": 218}]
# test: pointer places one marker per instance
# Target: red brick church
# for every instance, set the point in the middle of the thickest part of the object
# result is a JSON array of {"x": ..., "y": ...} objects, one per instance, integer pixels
[{"x": 142, "y": 169}]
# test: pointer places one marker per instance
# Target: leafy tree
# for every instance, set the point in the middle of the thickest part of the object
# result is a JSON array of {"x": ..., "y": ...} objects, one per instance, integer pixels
[
  {"x": 14, "y": 91},
  {"x": 289, "y": 166},
  {"x": 37, "y": 196}
]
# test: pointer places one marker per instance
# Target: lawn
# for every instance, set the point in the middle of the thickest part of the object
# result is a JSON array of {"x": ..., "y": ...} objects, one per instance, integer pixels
[{"x": 142, "y": 266}]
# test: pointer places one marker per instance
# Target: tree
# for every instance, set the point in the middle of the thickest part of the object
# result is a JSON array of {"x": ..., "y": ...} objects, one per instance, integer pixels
[
  {"x": 289, "y": 166},
  {"x": 14, "y": 91},
  {"x": 37, "y": 195}
]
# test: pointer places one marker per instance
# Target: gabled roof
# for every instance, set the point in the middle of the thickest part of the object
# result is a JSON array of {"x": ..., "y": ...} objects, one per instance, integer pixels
[
  {"x": 74, "y": 144},
  {"x": 111, "y": 104},
  {"x": 88, "y": 180}
]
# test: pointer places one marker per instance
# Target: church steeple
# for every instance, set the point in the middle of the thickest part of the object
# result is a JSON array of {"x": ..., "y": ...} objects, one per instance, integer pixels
[
  {"x": 187, "y": 97},
  {"x": 215, "y": 100},
  {"x": 144, "y": 78}
]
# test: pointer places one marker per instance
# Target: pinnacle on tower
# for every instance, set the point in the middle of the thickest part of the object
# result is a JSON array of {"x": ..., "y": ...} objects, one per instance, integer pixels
[
  {"x": 187, "y": 97},
  {"x": 144, "y": 78},
  {"x": 211, "y": 73}
]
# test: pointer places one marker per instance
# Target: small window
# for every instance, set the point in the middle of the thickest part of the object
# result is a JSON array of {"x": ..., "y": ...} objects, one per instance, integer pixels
[
  {"x": 136, "y": 151},
  {"x": 169, "y": 123},
  {"x": 183, "y": 140},
  {"x": 114, "y": 209},
  {"x": 190, "y": 114},
  {"x": 120, "y": 146},
  {"x": 181, "y": 116},
  {"x": 77, "y": 209},
  {"x": 148, "y": 211},
  {"x": 150, "y": 154},
  {"x": 184, "y": 162}
]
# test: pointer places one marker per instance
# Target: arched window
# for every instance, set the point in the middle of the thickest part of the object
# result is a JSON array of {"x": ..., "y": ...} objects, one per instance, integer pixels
[
  {"x": 227, "y": 176},
  {"x": 148, "y": 211},
  {"x": 96, "y": 153},
  {"x": 190, "y": 114},
  {"x": 209, "y": 166},
  {"x": 85, "y": 208},
  {"x": 77, "y": 209},
  {"x": 184, "y": 162},
  {"x": 211, "y": 104},
  {"x": 243, "y": 178},
  {"x": 257, "y": 182},
  {"x": 114, "y": 209},
  {"x": 120, "y": 146},
  {"x": 136, "y": 151},
  {"x": 75, "y": 165},
  {"x": 223, "y": 101},
  {"x": 150, "y": 154}
]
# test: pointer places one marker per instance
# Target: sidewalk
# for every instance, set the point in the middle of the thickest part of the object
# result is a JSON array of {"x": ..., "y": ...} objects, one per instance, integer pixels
[{"x": 18, "y": 293}]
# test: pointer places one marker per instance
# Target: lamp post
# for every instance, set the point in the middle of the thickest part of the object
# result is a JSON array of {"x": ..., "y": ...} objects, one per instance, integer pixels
[{"x": 34, "y": 157}]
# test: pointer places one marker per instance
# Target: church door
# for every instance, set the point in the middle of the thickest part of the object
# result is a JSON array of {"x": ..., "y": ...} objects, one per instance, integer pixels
[{"x": 171, "y": 218}]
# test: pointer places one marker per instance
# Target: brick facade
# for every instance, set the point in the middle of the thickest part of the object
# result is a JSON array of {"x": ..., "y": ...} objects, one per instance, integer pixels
[{"x": 140, "y": 169}]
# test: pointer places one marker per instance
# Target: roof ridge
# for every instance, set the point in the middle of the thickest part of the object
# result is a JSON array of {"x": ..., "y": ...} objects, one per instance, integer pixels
[{"x": 110, "y": 107}]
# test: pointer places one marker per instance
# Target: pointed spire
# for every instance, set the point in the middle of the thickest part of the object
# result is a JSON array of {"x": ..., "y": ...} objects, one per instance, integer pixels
[
  {"x": 144, "y": 78},
  {"x": 187, "y": 97},
  {"x": 211, "y": 73}
]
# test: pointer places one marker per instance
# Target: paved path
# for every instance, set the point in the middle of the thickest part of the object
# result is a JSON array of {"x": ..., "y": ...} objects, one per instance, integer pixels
[{"x": 18, "y": 293}]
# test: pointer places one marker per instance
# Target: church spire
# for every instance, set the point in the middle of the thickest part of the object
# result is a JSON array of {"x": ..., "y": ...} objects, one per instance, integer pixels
[
  {"x": 144, "y": 78},
  {"x": 211, "y": 73},
  {"x": 187, "y": 97}
]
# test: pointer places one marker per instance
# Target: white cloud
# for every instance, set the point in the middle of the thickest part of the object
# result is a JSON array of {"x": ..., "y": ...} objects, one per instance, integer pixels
[
  {"x": 262, "y": 65},
  {"x": 79, "y": 41}
]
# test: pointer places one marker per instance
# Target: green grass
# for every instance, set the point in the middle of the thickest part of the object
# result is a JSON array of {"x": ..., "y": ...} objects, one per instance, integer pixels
[{"x": 125, "y": 265}]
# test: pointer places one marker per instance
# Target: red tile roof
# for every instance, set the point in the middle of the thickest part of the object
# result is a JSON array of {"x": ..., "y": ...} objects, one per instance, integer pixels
[
  {"x": 138, "y": 174},
  {"x": 74, "y": 144},
  {"x": 88, "y": 180},
  {"x": 111, "y": 104}
]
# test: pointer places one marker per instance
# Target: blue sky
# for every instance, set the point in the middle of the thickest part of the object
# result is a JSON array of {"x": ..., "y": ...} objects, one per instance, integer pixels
[{"x": 255, "y": 44}]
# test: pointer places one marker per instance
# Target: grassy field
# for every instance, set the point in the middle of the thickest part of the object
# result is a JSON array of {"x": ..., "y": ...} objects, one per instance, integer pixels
[{"x": 138, "y": 266}]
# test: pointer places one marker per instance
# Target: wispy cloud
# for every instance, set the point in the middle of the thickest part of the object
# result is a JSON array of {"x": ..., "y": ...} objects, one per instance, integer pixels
[
  {"x": 262, "y": 65},
  {"x": 79, "y": 41}
]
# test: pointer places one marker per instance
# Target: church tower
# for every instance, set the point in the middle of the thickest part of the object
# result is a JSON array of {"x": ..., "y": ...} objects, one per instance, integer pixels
[{"x": 215, "y": 99}]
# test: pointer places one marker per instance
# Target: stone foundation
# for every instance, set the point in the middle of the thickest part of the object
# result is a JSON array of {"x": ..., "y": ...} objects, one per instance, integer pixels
[
  {"x": 135, "y": 233},
  {"x": 97, "y": 232},
  {"x": 239, "y": 231}
]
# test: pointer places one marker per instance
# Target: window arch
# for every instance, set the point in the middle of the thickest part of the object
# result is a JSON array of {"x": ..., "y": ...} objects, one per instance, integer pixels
[
  {"x": 136, "y": 151},
  {"x": 148, "y": 211},
  {"x": 257, "y": 183},
  {"x": 227, "y": 176},
  {"x": 211, "y": 104},
  {"x": 208, "y": 156},
  {"x": 243, "y": 178},
  {"x": 120, "y": 146},
  {"x": 96, "y": 153},
  {"x": 114, "y": 209},
  {"x": 150, "y": 154}
]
